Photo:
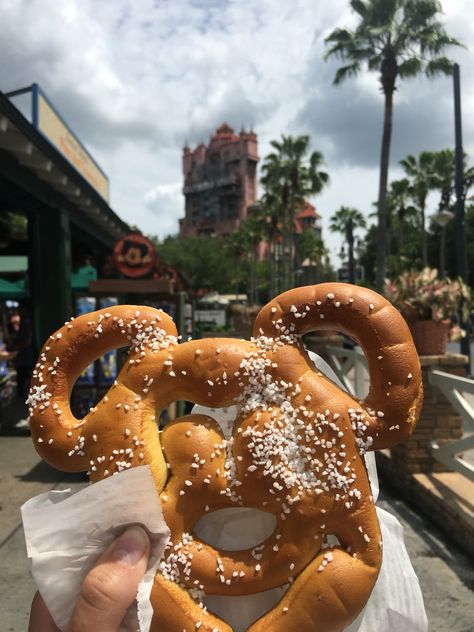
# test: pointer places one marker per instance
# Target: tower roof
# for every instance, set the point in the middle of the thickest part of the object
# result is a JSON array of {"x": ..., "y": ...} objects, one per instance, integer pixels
[
  {"x": 308, "y": 210},
  {"x": 224, "y": 134}
]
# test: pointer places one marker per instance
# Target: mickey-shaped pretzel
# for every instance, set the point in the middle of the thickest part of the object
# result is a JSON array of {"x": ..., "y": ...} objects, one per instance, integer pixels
[{"x": 295, "y": 451}]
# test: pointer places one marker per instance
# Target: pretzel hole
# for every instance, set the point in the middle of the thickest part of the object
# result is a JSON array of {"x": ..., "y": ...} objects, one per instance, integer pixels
[
  {"x": 332, "y": 540},
  {"x": 235, "y": 528},
  {"x": 348, "y": 371},
  {"x": 96, "y": 379}
]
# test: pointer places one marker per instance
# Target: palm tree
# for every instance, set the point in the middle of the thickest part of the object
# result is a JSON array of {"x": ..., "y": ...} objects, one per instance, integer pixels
[
  {"x": 397, "y": 39},
  {"x": 444, "y": 173},
  {"x": 399, "y": 210},
  {"x": 268, "y": 211},
  {"x": 310, "y": 246},
  {"x": 311, "y": 257},
  {"x": 443, "y": 180},
  {"x": 243, "y": 245},
  {"x": 420, "y": 170},
  {"x": 290, "y": 176},
  {"x": 346, "y": 220}
]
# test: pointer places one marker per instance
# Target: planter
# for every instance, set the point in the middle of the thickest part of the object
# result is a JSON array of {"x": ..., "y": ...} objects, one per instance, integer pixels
[{"x": 430, "y": 337}]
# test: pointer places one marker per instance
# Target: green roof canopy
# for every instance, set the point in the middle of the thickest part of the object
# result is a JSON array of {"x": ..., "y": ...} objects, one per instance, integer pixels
[{"x": 11, "y": 290}]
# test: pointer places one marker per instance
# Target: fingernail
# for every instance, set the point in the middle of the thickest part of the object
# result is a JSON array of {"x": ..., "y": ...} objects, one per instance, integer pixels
[{"x": 131, "y": 546}]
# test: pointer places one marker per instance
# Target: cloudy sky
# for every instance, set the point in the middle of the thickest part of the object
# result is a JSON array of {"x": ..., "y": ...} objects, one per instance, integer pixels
[{"x": 136, "y": 79}]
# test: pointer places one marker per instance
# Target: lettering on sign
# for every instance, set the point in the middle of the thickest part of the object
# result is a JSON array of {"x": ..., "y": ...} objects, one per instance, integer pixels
[{"x": 51, "y": 125}]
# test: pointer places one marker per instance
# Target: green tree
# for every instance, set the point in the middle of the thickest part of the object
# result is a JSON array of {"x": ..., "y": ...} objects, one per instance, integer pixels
[
  {"x": 290, "y": 176},
  {"x": 347, "y": 220},
  {"x": 243, "y": 243},
  {"x": 434, "y": 239},
  {"x": 400, "y": 215},
  {"x": 309, "y": 245},
  {"x": 443, "y": 180},
  {"x": 312, "y": 259},
  {"x": 397, "y": 39},
  {"x": 444, "y": 174},
  {"x": 268, "y": 211},
  {"x": 420, "y": 170},
  {"x": 204, "y": 261}
]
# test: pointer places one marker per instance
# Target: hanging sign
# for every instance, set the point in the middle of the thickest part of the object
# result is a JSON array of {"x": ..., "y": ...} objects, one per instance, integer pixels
[{"x": 134, "y": 255}]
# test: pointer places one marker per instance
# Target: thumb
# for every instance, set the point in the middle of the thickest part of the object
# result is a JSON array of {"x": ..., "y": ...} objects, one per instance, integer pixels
[{"x": 111, "y": 586}]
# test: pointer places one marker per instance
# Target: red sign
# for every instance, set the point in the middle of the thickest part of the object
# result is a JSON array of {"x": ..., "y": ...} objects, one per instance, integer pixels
[{"x": 134, "y": 255}]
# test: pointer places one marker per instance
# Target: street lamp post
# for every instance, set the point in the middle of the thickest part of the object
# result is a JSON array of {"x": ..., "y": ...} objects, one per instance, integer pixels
[
  {"x": 461, "y": 250},
  {"x": 350, "y": 243},
  {"x": 359, "y": 250},
  {"x": 442, "y": 219},
  {"x": 461, "y": 242},
  {"x": 342, "y": 257}
]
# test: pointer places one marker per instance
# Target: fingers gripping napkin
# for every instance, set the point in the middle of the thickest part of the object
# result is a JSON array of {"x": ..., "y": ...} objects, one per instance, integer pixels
[
  {"x": 295, "y": 451},
  {"x": 67, "y": 533}
]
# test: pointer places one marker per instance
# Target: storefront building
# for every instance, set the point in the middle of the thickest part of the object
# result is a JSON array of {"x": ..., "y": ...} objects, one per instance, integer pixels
[{"x": 54, "y": 213}]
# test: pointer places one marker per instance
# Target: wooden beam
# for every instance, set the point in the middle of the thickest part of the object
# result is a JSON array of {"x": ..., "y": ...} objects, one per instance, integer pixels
[
  {"x": 37, "y": 162},
  {"x": 112, "y": 287},
  {"x": 55, "y": 177},
  {"x": 72, "y": 191},
  {"x": 16, "y": 143},
  {"x": 85, "y": 202}
]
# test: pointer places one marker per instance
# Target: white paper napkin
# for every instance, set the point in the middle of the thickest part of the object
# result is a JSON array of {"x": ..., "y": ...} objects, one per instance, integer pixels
[
  {"x": 396, "y": 602},
  {"x": 66, "y": 533}
]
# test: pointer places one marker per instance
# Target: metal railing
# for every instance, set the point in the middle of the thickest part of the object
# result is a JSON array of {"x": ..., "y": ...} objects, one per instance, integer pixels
[
  {"x": 350, "y": 366},
  {"x": 455, "y": 388}
]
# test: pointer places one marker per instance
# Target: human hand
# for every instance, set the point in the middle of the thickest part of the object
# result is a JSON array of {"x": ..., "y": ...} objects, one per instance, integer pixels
[
  {"x": 107, "y": 591},
  {"x": 7, "y": 355}
]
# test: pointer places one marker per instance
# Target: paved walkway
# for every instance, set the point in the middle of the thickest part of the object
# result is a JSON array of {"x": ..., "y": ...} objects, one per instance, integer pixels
[
  {"x": 446, "y": 575},
  {"x": 22, "y": 475}
]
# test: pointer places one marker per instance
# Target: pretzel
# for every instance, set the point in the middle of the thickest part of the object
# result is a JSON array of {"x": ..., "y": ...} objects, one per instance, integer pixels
[{"x": 296, "y": 449}]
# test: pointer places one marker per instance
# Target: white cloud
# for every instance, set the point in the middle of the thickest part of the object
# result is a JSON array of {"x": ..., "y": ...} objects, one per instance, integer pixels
[
  {"x": 165, "y": 202},
  {"x": 136, "y": 79}
]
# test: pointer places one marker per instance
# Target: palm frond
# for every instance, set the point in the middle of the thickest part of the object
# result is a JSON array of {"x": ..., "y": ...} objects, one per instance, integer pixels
[
  {"x": 409, "y": 164},
  {"x": 375, "y": 62},
  {"x": 439, "y": 66},
  {"x": 360, "y": 7},
  {"x": 433, "y": 39},
  {"x": 316, "y": 159},
  {"x": 375, "y": 32},
  {"x": 364, "y": 53},
  {"x": 342, "y": 73},
  {"x": 410, "y": 67},
  {"x": 340, "y": 219},
  {"x": 340, "y": 38}
]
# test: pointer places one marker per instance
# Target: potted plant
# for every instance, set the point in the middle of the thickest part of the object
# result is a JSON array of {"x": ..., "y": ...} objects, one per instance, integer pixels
[{"x": 431, "y": 306}]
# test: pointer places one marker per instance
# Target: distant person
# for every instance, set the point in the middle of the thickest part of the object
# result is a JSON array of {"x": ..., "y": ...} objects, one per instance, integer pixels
[
  {"x": 21, "y": 342},
  {"x": 5, "y": 383}
]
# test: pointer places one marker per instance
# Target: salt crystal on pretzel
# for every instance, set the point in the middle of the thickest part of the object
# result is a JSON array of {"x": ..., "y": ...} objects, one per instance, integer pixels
[{"x": 296, "y": 448}]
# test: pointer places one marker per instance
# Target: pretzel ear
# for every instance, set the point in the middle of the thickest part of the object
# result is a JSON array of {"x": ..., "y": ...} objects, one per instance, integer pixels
[
  {"x": 396, "y": 390},
  {"x": 55, "y": 430}
]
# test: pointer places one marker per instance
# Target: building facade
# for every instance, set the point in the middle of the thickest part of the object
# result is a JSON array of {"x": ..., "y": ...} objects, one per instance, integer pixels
[
  {"x": 220, "y": 183},
  {"x": 66, "y": 218},
  {"x": 308, "y": 218}
]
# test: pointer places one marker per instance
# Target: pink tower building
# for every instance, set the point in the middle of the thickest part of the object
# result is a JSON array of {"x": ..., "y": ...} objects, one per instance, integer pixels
[{"x": 220, "y": 183}]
